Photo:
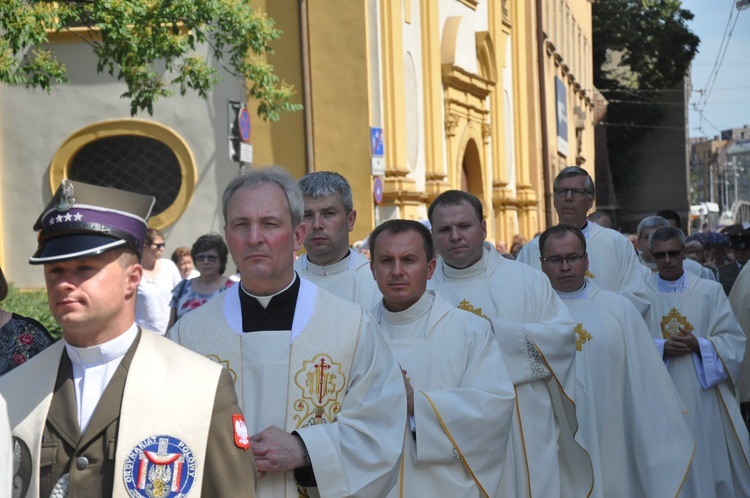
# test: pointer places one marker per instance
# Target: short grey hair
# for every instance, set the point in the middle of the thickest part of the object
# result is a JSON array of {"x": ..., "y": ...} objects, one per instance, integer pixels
[
  {"x": 573, "y": 171},
  {"x": 651, "y": 222},
  {"x": 666, "y": 233},
  {"x": 255, "y": 177},
  {"x": 322, "y": 183}
]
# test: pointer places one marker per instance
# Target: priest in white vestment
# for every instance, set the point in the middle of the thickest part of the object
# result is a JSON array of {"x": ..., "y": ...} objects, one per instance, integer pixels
[
  {"x": 613, "y": 264},
  {"x": 323, "y": 393},
  {"x": 739, "y": 298},
  {"x": 6, "y": 461},
  {"x": 536, "y": 336},
  {"x": 631, "y": 419},
  {"x": 328, "y": 261},
  {"x": 460, "y": 396},
  {"x": 695, "y": 330}
]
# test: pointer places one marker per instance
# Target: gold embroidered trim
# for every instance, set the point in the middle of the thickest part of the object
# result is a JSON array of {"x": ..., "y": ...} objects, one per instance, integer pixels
[
  {"x": 223, "y": 363},
  {"x": 671, "y": 322},
  {"x": 589, "y": 274},
  {"x": 467, "y": 306}
]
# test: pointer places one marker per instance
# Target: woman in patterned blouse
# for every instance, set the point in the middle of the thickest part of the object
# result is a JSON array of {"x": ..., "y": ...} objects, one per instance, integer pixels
[{"x": 20, "y": 337}]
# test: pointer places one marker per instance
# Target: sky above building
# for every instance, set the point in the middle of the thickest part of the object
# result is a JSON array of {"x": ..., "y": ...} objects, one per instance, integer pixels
[{"x": 720, "y": 72}]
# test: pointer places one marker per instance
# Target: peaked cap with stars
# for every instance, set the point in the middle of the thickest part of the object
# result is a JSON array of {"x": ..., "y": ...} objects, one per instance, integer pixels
[{"x": 85, "y": 220}]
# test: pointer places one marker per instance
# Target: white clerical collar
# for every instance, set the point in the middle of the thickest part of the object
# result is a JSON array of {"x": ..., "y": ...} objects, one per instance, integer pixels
[
  {"x": 474, "y": 270},
  {"x": 586, "y": 230},
  {"x": 264, "y": 300},
  {"x": 412, "y": 313},
  {"x": 582, "y": 293},
  {"x": 341, "y": 266},
  {"x": 105, "y": 352},
  {"x": 673, "y": 286}
]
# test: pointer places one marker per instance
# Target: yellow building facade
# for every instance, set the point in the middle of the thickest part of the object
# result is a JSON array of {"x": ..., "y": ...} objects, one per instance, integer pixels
[
  {"x": 464, "y": 94},
  {"x": 455, "y": 86}
]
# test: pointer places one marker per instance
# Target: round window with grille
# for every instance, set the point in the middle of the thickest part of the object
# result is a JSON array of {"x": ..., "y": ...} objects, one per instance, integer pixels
[
  {"x": 130, "y": 162},
  {"x": 131, "y": 154}
]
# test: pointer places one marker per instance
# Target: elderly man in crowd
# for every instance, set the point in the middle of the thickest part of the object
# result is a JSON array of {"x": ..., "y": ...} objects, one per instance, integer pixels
[
  {"x": 114, "y": 410},
  {"x": 649, "y": 225},
  {"x": 612, "y": 263},
  {"x": 630, "y": 416},
  {"x": 702, "y": 343},
  {"x": 470, "y": 389},
  {"x": 536, "y": 337},
  {"x": 323, "y": 392},
  {"x": 329, "y": 217}
]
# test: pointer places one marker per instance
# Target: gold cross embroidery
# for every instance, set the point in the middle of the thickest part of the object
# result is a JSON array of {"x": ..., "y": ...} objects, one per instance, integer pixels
[
  {"x": 582, "y": 337},
  {"x": 671, "y": 322}
]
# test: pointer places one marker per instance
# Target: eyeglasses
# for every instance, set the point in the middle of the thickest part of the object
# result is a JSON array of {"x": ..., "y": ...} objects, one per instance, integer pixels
[
  {"x": 556, "y": 261},
  {"x": 211, "y": 258},
  {"x": 576, "y": 192},
  {"x": 664, "y": 254},
  {"x": 158, "y": 246}
]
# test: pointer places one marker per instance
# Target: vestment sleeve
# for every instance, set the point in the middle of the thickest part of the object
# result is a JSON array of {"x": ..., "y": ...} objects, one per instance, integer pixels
[
  {"x": 230, "y": 470},
  {"x": 359, "y": 453}
]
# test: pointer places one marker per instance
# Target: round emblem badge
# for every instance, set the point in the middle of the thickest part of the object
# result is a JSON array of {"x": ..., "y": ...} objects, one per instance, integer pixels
[{"x": 159, "y": 467}]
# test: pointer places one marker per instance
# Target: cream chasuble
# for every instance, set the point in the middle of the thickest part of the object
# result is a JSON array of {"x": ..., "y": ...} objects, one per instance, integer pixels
[
  {"x": 349, "y": 279},
  {"x": 463, "y": 400},
  {"x": 613, "y": 264},
  {"x": 706, "y": 382},
  {"x": 740, "y": 301},
  {"x": 332, "y": 378},
  {"x": 631, "y": 419},
  {"x": 536, "y": 336}
]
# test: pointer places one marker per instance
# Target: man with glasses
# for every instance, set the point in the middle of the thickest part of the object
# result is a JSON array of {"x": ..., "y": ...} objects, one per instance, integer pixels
[
  {"x": 612, "y": 262},
  {"x": 649, "y": 225},
  {"x": 695, "y": 330},
  {"x": 535, "y": 333},
  {"x": 630, "y": 416}
]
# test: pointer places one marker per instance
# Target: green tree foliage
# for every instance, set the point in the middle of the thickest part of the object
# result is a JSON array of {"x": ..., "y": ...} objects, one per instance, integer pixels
[
  {"x": 148, "y": 44},
  {"x": 640, "y": 48}
]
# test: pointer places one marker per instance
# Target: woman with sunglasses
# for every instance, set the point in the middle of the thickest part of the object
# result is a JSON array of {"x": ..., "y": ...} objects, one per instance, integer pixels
[
  {"x": 210, "y": 258},
  {"x": 160, "y": 275}
]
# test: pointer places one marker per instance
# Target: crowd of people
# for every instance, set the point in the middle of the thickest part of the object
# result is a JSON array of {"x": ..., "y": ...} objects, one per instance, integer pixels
[{"x": 579, "y": 363}]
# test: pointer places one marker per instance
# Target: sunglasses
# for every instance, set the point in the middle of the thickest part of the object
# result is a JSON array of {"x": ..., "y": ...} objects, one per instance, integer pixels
[
  {"x": 664, "y": 254},
  {"x": 211, "y": 258},
  {"x": 158, "y": 246}
]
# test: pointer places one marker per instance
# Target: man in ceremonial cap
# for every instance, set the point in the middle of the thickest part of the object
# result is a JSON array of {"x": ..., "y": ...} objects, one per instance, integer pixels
[
  {"x": 324, "y": 394},
  {"x": 114, "y": 410}
]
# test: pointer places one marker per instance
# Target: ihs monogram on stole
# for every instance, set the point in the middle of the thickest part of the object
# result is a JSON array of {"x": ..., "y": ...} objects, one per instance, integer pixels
[
  {"x": 671, "y": 322},
  {"x": 467, "y": 306},
  {"x": 321, "y": 382},
  {"x": 582, "y": 337}
]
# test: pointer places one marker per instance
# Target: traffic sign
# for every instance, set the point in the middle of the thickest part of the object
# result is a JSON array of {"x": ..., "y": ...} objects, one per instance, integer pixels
[
  {"x": 377, "y": 190},
  {"x": 243, "y": 121},
  {"x": 376, "y": 142}
]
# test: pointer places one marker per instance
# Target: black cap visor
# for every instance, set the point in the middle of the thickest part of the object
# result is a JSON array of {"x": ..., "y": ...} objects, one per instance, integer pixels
[{"x": 74, "y": 246}]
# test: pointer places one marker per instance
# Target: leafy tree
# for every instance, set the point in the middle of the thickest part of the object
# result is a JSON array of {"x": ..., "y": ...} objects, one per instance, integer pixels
[
  {"x": 640, "y": 48},
  {"x": 148, "y": 44}
]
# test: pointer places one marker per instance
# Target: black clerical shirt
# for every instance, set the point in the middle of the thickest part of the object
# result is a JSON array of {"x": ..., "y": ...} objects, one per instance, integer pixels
[{"x": 278, "y": 315}]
